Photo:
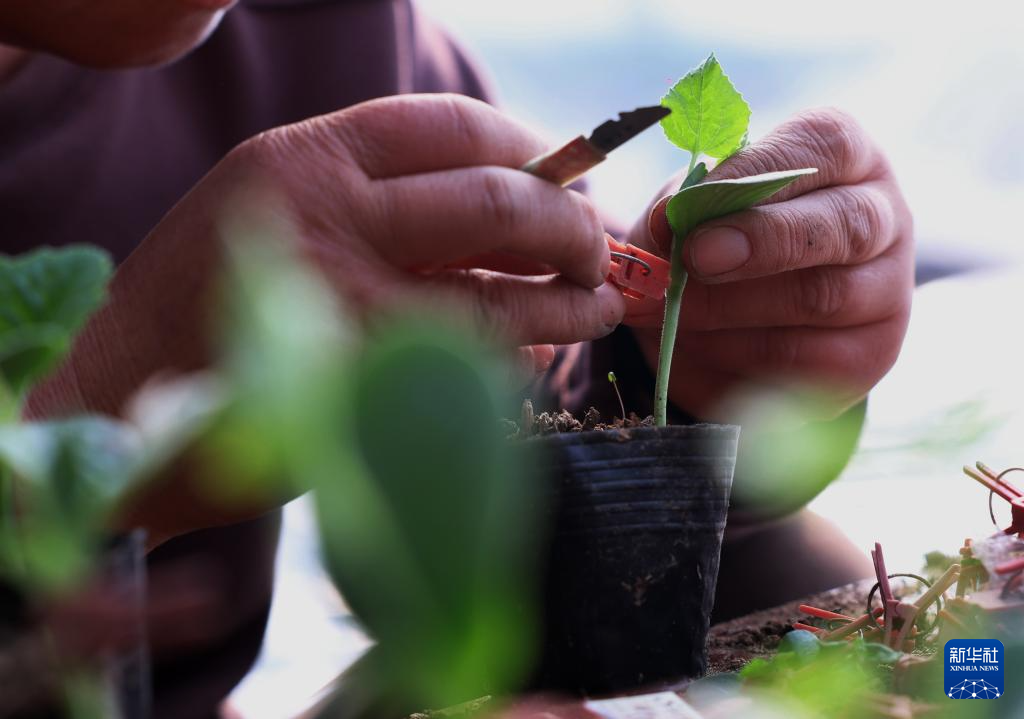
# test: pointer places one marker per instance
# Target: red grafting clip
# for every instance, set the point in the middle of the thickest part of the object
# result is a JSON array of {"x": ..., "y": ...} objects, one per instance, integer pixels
[
  {"x": 1014, "y": 565},
  {"x": 890, "y": 604},
  {"x": 997, "y": 485},
  {"x": 822, "y": 613},
  {"x": 637, "y": 273},
  {"x": 807, "y": 628},
  {"x": 901, "y": 616}
]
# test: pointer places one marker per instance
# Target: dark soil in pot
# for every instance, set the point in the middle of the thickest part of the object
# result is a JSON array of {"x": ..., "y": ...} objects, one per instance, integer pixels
[{"x": 638, "y": 516}]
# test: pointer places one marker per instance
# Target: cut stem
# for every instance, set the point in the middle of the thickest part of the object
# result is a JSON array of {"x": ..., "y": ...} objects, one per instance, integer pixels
[{"x": 673, "y": 302}]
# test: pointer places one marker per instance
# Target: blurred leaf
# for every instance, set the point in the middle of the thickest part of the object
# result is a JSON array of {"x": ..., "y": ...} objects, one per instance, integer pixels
[
  {"x": 802, "y": 643},
  {"x": 836, "y": 680},
  {"x": 708, "y": 200},
  {"x": 171, "y": 415},
  {"x": 423, "y": 517},
  {"x": 936, "y": 563},
  {"x": 70, "y": 473},
  {"x": 82, "y": 460},
  {"x": 87, "y": 696},
  {"x": 945, "y": 434},
  {"x": 283, "y": 365},
  {"x": 788, "y": 453},
  {"x": 709, "y": 116},
  {"x": 45, "y": 298},
  {"x": 427, "y": 528}
]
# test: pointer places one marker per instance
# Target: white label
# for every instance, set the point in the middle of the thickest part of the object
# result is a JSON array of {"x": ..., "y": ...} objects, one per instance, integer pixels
[{"x": 663, "y": 705}]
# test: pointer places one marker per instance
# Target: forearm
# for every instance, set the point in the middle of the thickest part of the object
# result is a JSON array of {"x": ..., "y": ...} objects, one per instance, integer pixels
[{"x": 155, "y": 323}]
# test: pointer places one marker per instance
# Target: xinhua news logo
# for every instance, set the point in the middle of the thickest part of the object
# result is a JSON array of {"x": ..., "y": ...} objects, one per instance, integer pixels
[{"x": 974, "y": 669}]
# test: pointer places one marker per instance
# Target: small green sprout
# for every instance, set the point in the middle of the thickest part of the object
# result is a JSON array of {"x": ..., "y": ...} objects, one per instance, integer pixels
[{"x": 614, "y": 380}]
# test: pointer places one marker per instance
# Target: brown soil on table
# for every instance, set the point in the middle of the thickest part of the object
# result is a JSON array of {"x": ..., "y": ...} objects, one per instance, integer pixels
[
  {"x": 531, "y": 425},
  {"x": 734, "y": 643}
]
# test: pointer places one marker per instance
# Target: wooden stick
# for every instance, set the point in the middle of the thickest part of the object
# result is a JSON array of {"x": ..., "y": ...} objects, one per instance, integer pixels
[
  {"x": 909, "y": 612},
  {"x": 856, "y": 625}
]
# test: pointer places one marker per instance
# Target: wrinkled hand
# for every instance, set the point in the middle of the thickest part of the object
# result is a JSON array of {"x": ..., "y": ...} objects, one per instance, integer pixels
[
  {"x": 411, "y": 202},
  {"x": 417, "y": 200},
  {"x": 813, "y": 286}
]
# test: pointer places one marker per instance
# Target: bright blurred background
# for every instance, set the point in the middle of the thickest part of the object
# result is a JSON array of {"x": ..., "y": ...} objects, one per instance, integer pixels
[{"x": 939, "y": 87}]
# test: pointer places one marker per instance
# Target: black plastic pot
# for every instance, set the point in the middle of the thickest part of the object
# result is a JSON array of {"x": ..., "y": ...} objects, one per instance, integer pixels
[{"x": 637, "y": 524}]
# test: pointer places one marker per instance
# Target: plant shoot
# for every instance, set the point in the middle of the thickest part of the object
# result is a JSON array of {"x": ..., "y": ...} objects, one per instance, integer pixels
[
  {"x": 709, "y": 118},
  {"x": 622, "y": 406}
]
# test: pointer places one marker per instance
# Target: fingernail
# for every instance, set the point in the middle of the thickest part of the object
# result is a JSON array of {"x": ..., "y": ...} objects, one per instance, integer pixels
[
  {"x": 543, "y": 358},
  {"x": 606, "y": 258},
  {"x": 658, "y": 208},
  {"x": 719, "y": 250},
  {"x": 612, "y": 305},
  {"x": 657, "y": 225}
]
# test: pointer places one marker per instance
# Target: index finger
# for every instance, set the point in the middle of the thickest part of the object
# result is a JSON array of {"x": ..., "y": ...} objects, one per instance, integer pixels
[
  {"x": 828, "y": 139},
  {"x": 847, "y": 225},
  {"x": 410, "y": 134}
]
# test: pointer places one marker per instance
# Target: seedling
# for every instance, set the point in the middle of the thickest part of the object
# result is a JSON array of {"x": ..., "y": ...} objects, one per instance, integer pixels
[
  {"x": 614, "y": 381},
  {"x": 710, "y": 119}
]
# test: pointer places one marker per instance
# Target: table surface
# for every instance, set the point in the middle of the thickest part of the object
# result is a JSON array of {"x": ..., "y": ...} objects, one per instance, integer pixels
[{"x": 952, "y": 398}]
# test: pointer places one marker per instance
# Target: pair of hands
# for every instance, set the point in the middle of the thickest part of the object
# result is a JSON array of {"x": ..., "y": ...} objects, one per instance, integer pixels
[{"x": 419, "y": 199}]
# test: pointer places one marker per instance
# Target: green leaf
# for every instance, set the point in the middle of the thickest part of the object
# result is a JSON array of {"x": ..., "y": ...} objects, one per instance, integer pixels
[
  {"x": 172, "y": 415},
  {"x": 90, "y": 456},
  {"x": 45, "y": 298},
  {"x": 284, "y": 358},
  {"x": 70, "y": 473},
  {"x": 709, "y": 116},
  {"x": 786, "y": 428},
  {"x": 692, "y": 205},
  {"x": 708, "y": 200},
  {"x": 802, "y": 643},
  {"x": 426, "y": 525},
  {"x": 26, "y": 353}
]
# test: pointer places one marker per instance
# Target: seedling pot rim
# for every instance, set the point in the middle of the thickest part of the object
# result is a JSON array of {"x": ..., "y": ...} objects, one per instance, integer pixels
[{"x": 628, "y": 434}]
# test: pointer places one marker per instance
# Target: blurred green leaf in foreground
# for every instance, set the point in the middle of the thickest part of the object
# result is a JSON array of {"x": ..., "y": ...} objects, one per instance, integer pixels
[
  {"x": 427, "y": 514},
  {"x": 428, "y": 529}
]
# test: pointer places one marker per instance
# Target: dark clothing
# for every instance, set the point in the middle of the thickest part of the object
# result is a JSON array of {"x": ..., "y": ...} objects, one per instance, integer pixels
[
  {"x": 99, "y": 157},
  {"x": 192, "y": 683}
]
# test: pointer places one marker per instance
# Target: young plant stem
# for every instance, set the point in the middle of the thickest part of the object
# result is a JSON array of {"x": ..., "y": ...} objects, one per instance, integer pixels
[
  {"x": 673, "y": 302},
  {"x": 689, "y": 170},
  {"x": 615, "y": 384}
]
